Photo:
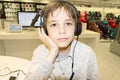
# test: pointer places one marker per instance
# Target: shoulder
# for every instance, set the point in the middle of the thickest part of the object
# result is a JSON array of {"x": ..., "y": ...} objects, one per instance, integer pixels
[
  {"x": 81, "y": 46},
  {"x": 83, "y": 50},
  {"x": 84, "y": 53}
]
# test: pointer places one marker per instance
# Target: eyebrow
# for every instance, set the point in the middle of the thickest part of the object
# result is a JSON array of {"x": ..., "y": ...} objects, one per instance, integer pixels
[
  {"x": 56, "y": 20},
  {"x": 69, "y": 20},
  {"x": 52, "y": 21}
]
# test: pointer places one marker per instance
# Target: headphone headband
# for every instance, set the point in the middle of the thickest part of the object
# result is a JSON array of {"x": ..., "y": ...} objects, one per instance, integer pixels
[{"x": 78, "y": 28}]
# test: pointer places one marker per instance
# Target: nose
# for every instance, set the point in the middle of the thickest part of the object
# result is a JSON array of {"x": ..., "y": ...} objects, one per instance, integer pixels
[{"x": 62, "y": 29}]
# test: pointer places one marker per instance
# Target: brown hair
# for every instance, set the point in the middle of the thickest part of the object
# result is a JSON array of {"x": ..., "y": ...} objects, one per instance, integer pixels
[{"x": 51, "y": 7}]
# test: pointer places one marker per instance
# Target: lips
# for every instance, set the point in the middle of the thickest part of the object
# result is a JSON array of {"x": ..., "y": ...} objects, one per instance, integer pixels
[{"x": 63, "y": 39}]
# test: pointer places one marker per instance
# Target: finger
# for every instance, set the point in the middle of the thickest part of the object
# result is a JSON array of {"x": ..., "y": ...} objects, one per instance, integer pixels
[
  {"x": 39, "y": 30},
  {"x": 43, "y": 32},
  {"x": 46, "y": 38},
  {"x": 40, "y": 33}
]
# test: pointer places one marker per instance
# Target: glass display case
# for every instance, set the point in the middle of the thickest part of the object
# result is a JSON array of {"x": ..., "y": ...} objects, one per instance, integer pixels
[{"x": 115, "y": 45}]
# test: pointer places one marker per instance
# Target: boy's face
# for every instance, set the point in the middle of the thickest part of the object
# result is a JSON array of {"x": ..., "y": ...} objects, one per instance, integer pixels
[{"x": 60, "y": 27}]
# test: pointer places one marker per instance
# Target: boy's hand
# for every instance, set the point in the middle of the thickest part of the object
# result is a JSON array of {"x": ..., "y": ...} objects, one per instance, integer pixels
[{"x": 53, "y": 48}]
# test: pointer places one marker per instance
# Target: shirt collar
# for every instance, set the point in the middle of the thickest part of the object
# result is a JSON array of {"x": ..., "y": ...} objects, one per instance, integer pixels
[
  {"x": 70, "y": 54},
  {"x": 72, "y": 48}
]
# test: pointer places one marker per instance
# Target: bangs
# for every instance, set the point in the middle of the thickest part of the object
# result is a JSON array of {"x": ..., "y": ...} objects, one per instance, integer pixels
[{"x": 70, "y": 10}]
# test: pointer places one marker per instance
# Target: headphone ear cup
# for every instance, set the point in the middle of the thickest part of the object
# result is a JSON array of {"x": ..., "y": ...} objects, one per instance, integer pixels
[
  {"x": 78, "y": 27},
  {"x": 42, "y": 24},
  {"x": 45, "y": 29}
]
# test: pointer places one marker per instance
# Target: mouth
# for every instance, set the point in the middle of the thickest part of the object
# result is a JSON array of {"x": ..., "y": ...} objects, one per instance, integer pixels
[{"x": 62, "y": 39}]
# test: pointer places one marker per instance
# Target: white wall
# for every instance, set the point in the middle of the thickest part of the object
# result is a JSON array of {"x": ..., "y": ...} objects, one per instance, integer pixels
[{"x": 113, "y": 10}]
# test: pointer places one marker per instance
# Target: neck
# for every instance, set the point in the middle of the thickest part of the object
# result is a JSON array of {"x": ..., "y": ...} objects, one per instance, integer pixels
[{"x": 65, "y": 50}]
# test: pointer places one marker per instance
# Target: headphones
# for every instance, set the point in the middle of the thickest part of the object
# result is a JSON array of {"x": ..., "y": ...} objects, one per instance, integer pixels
[{"x": 78, "y": 28}]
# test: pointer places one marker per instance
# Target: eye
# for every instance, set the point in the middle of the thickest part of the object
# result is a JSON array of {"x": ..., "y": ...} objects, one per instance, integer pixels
[
  {"x": 53, "y": 25},
  {"x": 68, "y": 23}
]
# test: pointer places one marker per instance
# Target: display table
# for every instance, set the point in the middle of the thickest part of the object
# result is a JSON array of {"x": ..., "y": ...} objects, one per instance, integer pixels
[
  {"x": 26, "y": 34},
  {"x": 23, "y": 44},
  {"x": 13, "y": 63}
]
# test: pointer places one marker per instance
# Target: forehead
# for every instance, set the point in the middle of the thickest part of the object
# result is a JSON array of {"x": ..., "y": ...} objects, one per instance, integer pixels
[{"x": 60, "y": 12}]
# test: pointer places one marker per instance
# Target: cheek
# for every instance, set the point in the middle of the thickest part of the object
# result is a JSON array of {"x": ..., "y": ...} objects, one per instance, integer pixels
[
  {"x": 52, "y": 34},
  {"x": 70, "y": 32},
  {"x": 50, "y": 30}
]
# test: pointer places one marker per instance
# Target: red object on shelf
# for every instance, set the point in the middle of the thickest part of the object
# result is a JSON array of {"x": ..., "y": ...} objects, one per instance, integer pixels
[{"x": 114, "y": 25}]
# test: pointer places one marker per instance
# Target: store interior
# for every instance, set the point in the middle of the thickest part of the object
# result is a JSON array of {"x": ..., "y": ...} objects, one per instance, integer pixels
[{"x": 100, "y": 30}]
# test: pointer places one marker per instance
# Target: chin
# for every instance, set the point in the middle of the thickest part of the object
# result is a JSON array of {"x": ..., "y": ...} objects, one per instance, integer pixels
[{"x": 63, "y": 45}]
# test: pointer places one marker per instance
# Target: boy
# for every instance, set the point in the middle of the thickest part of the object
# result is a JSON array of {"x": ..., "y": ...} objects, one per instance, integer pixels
[{"x": 61, "y": 57}]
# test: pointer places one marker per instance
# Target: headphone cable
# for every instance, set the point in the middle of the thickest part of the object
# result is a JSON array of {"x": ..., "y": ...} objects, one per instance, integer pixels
[{"x": 71, "y": 77}]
